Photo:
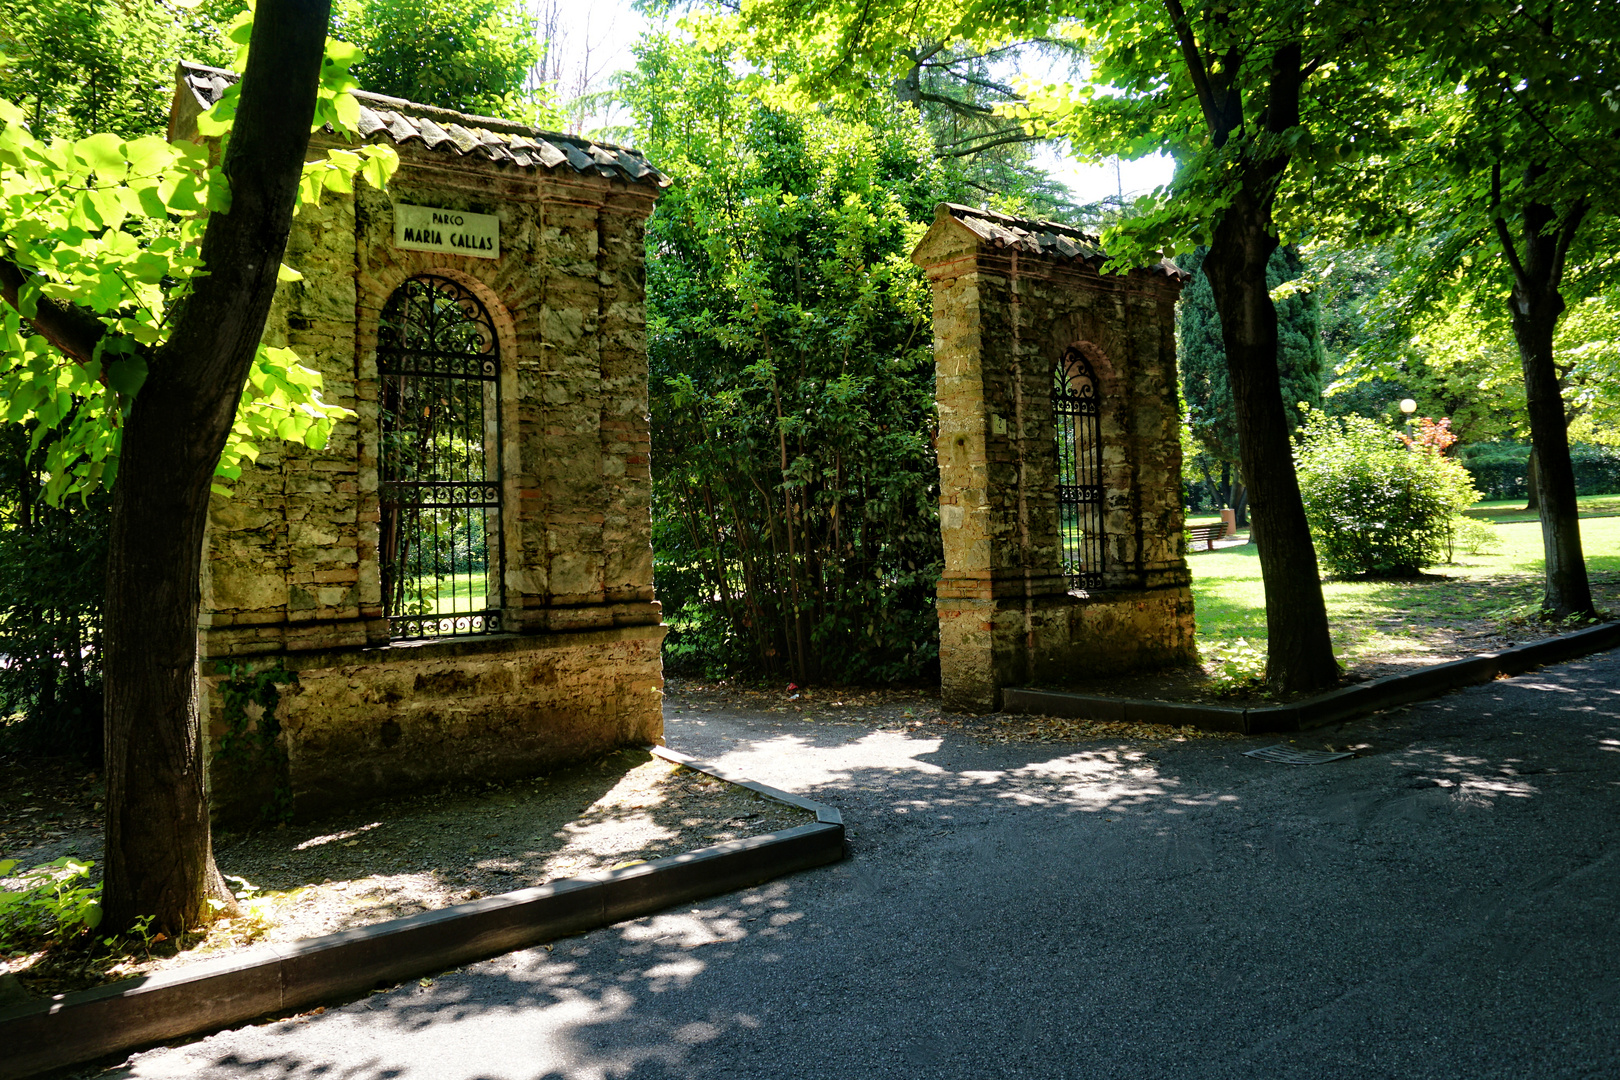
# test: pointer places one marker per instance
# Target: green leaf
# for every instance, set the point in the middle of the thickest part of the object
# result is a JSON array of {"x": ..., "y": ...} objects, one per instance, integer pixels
[
  {"x": 103, "y": 152},
  {"x": 148, "y": 154},
  {"x": 127, "y": 375},
  {"x": 348, "y": 111}
]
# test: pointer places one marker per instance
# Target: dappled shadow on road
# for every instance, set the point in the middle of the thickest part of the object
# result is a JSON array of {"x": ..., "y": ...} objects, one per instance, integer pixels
[
  {"x": 676, "y": 993},
  {"x": 566, "y": 1011}
]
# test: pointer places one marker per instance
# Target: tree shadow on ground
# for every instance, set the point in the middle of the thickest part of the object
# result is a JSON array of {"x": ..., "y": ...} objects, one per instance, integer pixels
[
  {"x": 389, "y": 859},
  {"x": 1183, "y": 860}
]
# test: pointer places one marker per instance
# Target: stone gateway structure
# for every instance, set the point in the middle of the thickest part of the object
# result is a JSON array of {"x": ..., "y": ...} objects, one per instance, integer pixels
[
  {"x": 459, "y": 585},
  {"x": 1059, "y": 459}
]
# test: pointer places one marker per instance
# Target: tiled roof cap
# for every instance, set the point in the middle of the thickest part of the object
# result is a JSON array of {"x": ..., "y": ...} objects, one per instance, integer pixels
[
  {"x": 445, "y": 130},
  {"x": 1052, "y": 239}
]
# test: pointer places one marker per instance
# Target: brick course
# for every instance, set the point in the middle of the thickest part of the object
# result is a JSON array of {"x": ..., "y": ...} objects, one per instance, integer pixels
[
  {"x": 1010, "y": 297},
  {"x": 292, "y": 572}
]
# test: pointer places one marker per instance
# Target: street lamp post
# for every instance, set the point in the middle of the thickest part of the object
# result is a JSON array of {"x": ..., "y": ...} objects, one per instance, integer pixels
[{"x": 1408, "y": 407}]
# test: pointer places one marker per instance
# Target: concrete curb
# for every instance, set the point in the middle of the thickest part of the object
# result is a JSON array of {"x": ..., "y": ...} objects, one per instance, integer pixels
[
  {"x": 71, "y": 1028},
  {"x": 1323, "y": 709}
]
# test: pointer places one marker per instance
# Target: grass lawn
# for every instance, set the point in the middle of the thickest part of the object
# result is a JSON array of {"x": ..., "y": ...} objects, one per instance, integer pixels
[
  {"x": 1504, "y": 510},
  {"x": 460, "y": 593},
  {"x": 1483, "y": 601}
]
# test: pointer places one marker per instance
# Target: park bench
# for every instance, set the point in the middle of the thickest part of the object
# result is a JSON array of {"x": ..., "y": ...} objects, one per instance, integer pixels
[{"x": 1207, "y": 534}]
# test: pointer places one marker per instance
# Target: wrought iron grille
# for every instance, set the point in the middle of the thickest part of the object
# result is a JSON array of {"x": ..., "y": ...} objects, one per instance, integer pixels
[
  {"x": 438, "y": 363},
  {"x": 1078, "y": 411}
]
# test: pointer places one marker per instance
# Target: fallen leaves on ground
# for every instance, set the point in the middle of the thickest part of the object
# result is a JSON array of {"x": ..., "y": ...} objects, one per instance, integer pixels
[{"x": 1055, "y": 729}]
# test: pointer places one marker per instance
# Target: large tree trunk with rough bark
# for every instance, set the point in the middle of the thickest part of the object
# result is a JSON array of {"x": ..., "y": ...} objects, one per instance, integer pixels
[
  {"x": 1299, "y": 653},
  {"x": 1299, "y": 649},
  {"x": 1567, "y": 591},
  {"x": 1534, "y": 306},
  {"x": 159, "y": 859}
]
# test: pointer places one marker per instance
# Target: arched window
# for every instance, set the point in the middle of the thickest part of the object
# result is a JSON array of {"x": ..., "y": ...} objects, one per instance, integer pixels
[
  {"x": 438, "y": 419},
  {"x": 1078, "y": 411}
]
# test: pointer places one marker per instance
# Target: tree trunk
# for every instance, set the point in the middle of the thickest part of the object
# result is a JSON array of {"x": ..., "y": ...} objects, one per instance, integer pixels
[
  {"x": 1240, "y": 505},
  {"x": 1299, "y": 649},
  {"x": 159, "y": 859},
  {"x": 1534, "y": 305},
  {"x": 1567, "y": 591},
  {"x": 1532, "y": 483}
]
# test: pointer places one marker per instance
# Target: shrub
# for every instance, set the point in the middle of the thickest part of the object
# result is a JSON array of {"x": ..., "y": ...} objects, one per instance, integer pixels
[
  {"x": 1499, "y": 468},
  {"x": 52, "y": 567},
  {"x": 795, "y": 488},
  {"x": 1375, "y": 505},
  {"x": 56, "y": 900},
  {"x": 1472, "y": 536}
]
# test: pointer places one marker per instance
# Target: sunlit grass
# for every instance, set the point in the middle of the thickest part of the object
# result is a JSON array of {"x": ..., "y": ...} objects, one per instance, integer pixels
[
  {"x": 1381, "y": 618},
  {"x": 1506, "y": 510},
  {"x": 452, "y": 594}
]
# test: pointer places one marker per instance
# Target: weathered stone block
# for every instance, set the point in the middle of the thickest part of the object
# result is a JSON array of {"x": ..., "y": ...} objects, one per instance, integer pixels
[
  {"x": 294, "y": 570},
  {"x": 1012, "y": 299}
]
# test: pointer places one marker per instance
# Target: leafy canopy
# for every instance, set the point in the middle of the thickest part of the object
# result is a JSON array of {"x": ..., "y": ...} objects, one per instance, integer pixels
[
  {"x": 795, "y": 491},
  {"x": 76, "y": 67},
  {"x": 1143, "y": 89},
  {"x": 112, "y": 228},
  {"x": 469, "y": 55}
]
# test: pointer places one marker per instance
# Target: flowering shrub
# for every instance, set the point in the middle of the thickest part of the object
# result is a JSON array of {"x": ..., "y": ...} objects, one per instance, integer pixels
[{"x": 1379, "y": 503}]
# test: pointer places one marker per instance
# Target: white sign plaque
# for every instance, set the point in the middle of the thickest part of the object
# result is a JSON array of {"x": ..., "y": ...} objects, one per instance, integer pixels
[{"x": 452, "y": 232}]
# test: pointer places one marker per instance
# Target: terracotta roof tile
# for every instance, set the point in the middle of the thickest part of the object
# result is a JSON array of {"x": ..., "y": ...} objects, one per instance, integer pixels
[
  {"x": 1052, "y": 239},
  {"x": 446, "y": 131}
]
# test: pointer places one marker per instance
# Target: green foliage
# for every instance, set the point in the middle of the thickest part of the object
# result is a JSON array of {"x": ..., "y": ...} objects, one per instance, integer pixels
[
  {"x": 81, "y": 66},
  {"x": 1239, "y": 668},
  {"x": 470, "y": 55},
  {"x": 52, "y": 565},
  {"x": 55, "y": 901},
  {"x": 251, "y": 745},
  {"x": 1498, "y": 468},
  {"x": 1472, "y": 536},
  {"x": 1587, "y": 351},
  {"x": 1202, "y": 354},
  {"x": 796, "y": 521},
  {"x": 112, "y": 228},
  {"x": 1517, "y": 112},
  {"x": 1376, "y": 506}
]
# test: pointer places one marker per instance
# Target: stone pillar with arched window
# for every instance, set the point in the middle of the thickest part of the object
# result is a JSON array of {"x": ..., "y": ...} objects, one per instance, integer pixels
[
  {"x": 1059, "y": 458},
  {"x": 459, "y": 584}
]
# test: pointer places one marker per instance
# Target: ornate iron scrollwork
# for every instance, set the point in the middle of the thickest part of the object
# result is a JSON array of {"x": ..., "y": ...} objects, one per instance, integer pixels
[
  {"x": 438, "y": 365},
  {"x": 1077, "y": 409}
]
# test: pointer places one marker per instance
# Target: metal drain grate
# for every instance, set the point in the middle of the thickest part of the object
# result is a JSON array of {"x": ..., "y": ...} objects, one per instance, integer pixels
[{"x": 1285, "y": 755}]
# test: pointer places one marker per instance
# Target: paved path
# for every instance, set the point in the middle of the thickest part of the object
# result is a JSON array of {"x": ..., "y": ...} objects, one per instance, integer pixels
[{"x": 1445, "y": 905}]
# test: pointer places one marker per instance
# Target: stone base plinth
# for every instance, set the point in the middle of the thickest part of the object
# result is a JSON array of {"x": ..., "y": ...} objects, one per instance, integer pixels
[
  {"x": 362, "y": 723},
  {"x": 988, "y": 644}
]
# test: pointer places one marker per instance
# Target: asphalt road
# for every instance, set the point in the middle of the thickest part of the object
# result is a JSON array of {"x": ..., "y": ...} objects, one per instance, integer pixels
[{"x": 1446, "y": 904}]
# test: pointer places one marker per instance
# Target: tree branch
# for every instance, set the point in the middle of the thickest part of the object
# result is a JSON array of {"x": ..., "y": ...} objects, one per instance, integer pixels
[
  {"x": 999, "y": 88},
  {"x": 217, "y": 328},
  {"x": 1502, "y": 228},
  {"x": 1566, "y": 237},
  {"x": 954, "y": 104},
  {"x": 1195, "y": 68},
  {"x": 71, "y": 329},
  {"x": 1011, "y": 137}
]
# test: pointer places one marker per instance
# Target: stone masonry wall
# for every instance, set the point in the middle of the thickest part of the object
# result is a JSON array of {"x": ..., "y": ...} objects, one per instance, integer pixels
[
  {"x": 1002, "y": 320},
  {"x": 360, "y": 723},
  {"x": 292, "y": 575}
]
